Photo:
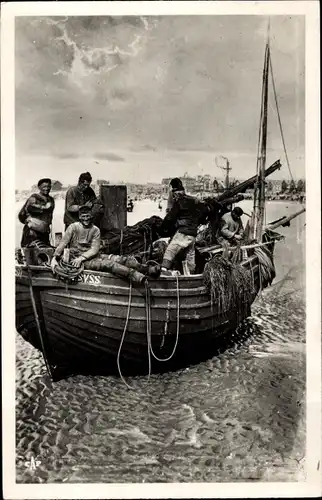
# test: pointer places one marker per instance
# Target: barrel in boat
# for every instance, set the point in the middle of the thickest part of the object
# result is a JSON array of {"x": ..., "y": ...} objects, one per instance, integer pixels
[{"x": 86, "y": 327}]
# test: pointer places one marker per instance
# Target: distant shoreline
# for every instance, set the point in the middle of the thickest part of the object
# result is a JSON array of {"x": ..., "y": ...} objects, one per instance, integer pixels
[{"x": 23, "y": 196}]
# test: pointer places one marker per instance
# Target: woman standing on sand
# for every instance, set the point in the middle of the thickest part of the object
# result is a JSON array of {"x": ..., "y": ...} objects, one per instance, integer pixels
[{"x": 37, "y": 215}]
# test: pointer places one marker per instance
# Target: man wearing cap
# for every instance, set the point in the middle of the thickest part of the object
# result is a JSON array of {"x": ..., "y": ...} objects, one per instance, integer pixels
[
  {"x": 37, "y": 215},
  {"x": 186, "y": 214},
  {"x": 231, "y": 228},
  {"x": 175, "y": 184},
  {"x": 82, "y": 195},
  {"x": 82, "y": 238}
]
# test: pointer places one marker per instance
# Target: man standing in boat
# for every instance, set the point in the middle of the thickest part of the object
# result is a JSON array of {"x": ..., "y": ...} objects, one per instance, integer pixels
[
  {"x": 231, "y": 230},
  {"x": 37, "y": 216},
  {"x": 186, "y": 214},
  {"x": 82, "y": 195},
  {"x": 175, "y": 184},
  {"x": 82, "y": 238}
]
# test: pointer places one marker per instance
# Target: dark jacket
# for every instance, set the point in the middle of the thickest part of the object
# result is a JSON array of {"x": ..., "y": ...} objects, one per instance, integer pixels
[
  {"x": 186, "y": 214},
  {"x": 38, "y": 206},
  {"x": 76, "y": 198}
]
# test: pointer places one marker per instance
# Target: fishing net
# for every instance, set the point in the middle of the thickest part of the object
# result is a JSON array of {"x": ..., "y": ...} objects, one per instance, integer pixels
[
  {"x": 230, "y": 285},
  {"x": 205, "y": 236},
  {"x": 237, "y": 255},
  {"x": 133, "y": 239},
  {"x": 266, "y": 266}
]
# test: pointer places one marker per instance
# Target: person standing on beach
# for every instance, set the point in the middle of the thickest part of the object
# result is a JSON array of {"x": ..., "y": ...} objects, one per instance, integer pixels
[
  {"x": 37, "y": 215},
  {"x": 82, "y": 195}
]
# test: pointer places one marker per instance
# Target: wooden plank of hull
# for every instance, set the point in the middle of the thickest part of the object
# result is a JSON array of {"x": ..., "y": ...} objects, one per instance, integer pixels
[
  {"x": 107, "y": 315},
  {"x": 158, "y": 302},
  {"x": 22, "y": 295},
  {"x": 85, "y": 345},
  {"x": 116, "y": 306},
  {"x": 24, "y": 318},
  {"x": 72, "y": 349},
  {"x": 134, "y": 325},
  {"x": 43, "y": 277},
  {"x": 113, "y": 330},
  {"x": 23, "y": 304},
  {"x": 166, "y": 285}
]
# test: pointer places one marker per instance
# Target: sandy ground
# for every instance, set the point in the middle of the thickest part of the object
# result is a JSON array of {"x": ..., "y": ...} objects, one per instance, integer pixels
[{"x": 240, "y": 416}]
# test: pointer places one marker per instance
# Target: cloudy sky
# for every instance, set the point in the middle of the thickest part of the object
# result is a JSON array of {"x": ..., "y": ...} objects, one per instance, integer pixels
[{"x": 88, "y": 86}]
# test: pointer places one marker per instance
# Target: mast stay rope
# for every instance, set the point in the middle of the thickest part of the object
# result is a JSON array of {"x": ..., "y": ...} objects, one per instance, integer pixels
[{"x": 279, "y": 119}]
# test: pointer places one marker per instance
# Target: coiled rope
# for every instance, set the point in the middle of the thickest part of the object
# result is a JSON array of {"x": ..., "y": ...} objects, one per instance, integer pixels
[{"x": 68, "y": 273}]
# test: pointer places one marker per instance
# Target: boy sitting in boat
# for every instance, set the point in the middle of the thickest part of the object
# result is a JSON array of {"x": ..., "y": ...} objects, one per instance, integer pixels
[
  {"x": 82, "y": 237},
  {"x": 37, "y": 216},
  {"x": 231, "y": 230},
  {"x": 81, "y": 195},
  {"x": 185, "y": 215}
]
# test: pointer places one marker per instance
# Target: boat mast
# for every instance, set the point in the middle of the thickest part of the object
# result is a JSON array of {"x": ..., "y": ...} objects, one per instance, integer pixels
[{"x": 259, "y": 192}]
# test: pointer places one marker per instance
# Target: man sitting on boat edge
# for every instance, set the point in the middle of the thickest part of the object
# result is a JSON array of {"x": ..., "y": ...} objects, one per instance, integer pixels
[
  {"x": 82, "y": 237},
  {"x": 81, "y": 195},
  {"x": 231, "y": 229},
  {"x": 37, "y": 215}
]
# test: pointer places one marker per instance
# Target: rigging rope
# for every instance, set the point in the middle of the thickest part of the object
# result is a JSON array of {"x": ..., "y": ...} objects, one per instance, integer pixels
[{"x": 279, "y": 119}]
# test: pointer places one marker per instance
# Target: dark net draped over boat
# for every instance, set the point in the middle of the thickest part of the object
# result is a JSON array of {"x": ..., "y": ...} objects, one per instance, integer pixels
[
  {"x": 132, "y": 239},
  {"x": 230, "y": 285}
]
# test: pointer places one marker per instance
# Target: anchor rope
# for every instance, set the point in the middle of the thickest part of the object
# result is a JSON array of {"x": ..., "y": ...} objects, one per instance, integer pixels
[
  {"x": 148, "y": 325},
  {"x": 123, "y": 337},
  {"x": 149, "y": 340}
]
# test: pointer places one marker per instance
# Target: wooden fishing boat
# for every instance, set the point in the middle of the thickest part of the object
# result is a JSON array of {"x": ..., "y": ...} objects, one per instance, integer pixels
[
  {"x": 104, "y": 324},
  {"x": 84, "y": 326}
]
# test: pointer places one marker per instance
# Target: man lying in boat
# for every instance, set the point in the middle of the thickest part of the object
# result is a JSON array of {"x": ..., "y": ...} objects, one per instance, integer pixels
[
  {"x": 82, "y": 237},
  {"x": 82, "y": 195},
  {"x": 186, "y": 214},
  {"x": 231, "y": 230},
  {"x": 37, "y": 216}
]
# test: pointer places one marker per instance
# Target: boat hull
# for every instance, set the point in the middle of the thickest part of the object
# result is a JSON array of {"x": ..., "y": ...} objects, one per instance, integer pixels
[{"x": 83, "y": 325}]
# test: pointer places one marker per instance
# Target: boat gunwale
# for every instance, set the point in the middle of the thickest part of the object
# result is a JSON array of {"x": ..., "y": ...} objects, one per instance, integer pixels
[{"x": 181, "y": 277}]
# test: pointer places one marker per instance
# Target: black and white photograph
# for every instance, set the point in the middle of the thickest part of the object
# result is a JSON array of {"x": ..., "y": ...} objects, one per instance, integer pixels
[{"x": 160, "y": 226}]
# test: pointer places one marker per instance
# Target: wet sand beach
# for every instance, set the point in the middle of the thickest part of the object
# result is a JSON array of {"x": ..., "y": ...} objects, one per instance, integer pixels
[{"x": 239, "y": 416}]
